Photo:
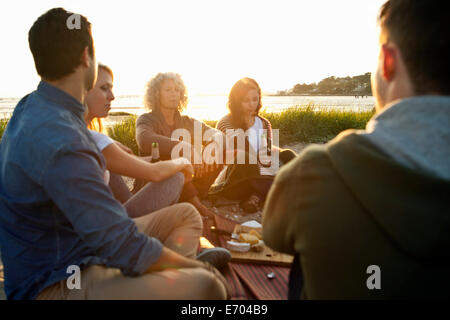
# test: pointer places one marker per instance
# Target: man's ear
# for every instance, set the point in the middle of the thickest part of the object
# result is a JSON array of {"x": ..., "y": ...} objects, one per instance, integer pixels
[
  {"x": 85, "y": 59},
  {"x": 389, "y": 62}
]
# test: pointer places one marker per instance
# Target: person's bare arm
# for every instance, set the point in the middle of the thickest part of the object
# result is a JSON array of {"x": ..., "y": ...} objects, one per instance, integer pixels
[
  {"x": 120, "y": 162},
  {"x": 123, "y": 147}
]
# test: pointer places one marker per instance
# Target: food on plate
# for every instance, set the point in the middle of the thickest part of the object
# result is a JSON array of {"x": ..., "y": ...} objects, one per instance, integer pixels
[
  {"x": 238, "y": 246},
  {"x": 256, "y": 233},
  {"x": 258, "y": 247},
  {"x": 249, "y": 238}
]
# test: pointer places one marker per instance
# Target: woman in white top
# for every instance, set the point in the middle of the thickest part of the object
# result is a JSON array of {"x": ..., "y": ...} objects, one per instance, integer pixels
[
  {"x": 249, "y": 181},
  {"x": 168, "y": 177}
]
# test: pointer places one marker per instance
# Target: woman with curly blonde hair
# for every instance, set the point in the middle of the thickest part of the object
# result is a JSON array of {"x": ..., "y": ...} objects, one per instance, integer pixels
[
  {"x": 165, "y": 98},
  {"x": 152, "y": 100},
  {"x": 167, "y": 177}
]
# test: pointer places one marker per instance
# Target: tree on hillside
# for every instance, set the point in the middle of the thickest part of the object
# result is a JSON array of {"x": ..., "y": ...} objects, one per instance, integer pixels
[{"x": 357, "y": 85}]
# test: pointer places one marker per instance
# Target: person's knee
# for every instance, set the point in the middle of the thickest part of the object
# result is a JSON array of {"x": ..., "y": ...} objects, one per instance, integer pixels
[
  {"x": 175, "y": 185},
  {"x": 178, "y": 180},
  {"x": 209, "y": 287},
  {"x": 189, "y": 212}
]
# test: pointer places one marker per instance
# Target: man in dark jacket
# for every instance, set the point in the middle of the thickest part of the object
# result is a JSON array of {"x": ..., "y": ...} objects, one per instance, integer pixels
[{"x": 369, "y": 212}]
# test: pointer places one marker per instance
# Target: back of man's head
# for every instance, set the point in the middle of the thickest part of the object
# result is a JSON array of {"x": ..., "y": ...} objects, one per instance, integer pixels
[
  {"x": 57, "y": 40},
  {"x": 420, "y": 28}
]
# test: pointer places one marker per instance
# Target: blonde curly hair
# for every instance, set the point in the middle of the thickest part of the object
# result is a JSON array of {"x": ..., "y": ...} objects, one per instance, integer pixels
[{"x": 152, "y": 92}]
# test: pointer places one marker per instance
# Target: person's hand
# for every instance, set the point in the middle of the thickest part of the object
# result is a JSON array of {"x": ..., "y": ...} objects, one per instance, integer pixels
[
  {"x": 264, "y": 158},
  {"x": 219, "y": 276},
  {"x": 186, "y": 168}
]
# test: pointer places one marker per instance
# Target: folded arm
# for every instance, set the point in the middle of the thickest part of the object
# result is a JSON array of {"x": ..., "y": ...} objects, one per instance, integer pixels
[{"x": 146, "y": 135}]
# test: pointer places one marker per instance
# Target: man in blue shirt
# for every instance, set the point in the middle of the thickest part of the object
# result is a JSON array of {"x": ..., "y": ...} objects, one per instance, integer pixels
[{"x": 62, "y": 233}]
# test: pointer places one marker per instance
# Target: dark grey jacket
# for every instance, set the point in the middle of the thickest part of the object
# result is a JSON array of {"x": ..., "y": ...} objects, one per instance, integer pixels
[{"x": 365, "y": 199}]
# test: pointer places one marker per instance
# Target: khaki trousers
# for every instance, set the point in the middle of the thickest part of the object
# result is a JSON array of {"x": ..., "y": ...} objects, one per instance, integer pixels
[{"x": 178, "y": 227}]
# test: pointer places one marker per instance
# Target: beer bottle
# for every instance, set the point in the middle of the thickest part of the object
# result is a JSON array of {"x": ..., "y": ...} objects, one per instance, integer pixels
[
  {"x": 155, "y": 152},
  {"x": 266, "y": 142}
]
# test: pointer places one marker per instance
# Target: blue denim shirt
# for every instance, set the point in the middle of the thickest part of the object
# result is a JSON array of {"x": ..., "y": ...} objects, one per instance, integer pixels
[{"x": 55, "y": 208}]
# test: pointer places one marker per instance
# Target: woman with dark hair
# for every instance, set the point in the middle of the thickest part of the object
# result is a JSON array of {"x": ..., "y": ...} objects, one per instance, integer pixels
[{"x": 249, "y": 181}]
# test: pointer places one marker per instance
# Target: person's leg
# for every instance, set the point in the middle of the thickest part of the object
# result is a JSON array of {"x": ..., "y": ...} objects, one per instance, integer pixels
[
  {"x": 202, "y": 184},
  {"x": 261, "y": 186},
  {"x": 191, "y": 194},
  {"x": 189, "y": 191},
  {"x": 99, "y": 282},
  {"x": 155, "y": 196},
  {"x": 119, "y": 188},
  {"x": 237, "y": 185},
  {"x": 237, "y": 191},
  {"x": 178, "y": 227}
]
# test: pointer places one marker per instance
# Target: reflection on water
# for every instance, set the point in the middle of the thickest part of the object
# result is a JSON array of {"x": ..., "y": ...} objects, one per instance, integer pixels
[{"x": 213, "y": 107}]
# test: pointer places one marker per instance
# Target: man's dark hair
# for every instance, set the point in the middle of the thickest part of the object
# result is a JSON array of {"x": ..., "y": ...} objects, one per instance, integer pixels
[
  {"x": 57, "y": 49},
  {"x": 420, "y": 28}
]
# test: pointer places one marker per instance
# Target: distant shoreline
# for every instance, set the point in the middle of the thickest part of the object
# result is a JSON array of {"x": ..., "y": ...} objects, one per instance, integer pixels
[
  {"x": 316, "y": 95},
  {"x": 264, "y": 95}
]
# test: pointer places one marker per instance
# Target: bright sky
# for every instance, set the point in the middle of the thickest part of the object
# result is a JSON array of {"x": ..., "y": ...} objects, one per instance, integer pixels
[{"x": 211, "y": 43}]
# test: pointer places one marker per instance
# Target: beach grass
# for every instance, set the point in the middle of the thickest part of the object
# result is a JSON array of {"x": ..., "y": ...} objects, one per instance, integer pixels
[
  {"x": 3, "y": 123},
  {"x": 312, "y": 124},
  {"x": 306, "y": 124},
  {"x": 125, "y": 132}
]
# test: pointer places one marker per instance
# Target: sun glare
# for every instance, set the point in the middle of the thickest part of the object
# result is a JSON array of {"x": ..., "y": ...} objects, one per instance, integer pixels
[{"x": 212, "y": 44}]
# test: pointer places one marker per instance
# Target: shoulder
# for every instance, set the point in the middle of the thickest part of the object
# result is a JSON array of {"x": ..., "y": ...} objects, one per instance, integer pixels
[
  {"x": 321, "y": 159},
  {"x": 46, "y": 132},
  {"x": 187, "y": 119},
  {"x": 189, "y": 123},
  {"x": 313, "y": 158},
  {"x": 101, "y": 139},
  {"x": 265, "y": 122},
  {"x": 225, "y": 123},
  {"x": 51, "y": 128},
  {"x": 145, "y": 118}
]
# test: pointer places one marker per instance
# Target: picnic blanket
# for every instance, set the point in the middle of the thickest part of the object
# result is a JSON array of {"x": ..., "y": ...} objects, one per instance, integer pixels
[{"x": 249, "y": 281}]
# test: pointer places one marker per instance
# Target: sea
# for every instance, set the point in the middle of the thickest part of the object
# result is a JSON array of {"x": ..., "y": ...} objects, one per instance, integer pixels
[{"x": 213, "y": 107}]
